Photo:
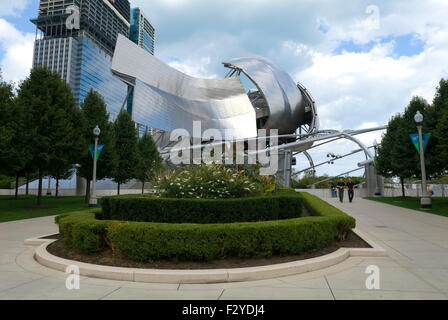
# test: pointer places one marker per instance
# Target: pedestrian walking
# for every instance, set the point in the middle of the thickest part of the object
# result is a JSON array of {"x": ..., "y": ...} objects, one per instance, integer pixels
[
  {"x": 341, "y": 188},
  {"x": 430, "y": 190},
  {"x": 350, "y": 189},
  {"x": 334, "y": 193}
]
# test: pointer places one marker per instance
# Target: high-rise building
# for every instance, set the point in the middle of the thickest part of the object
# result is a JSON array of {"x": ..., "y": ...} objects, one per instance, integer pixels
[
  {"x": 82, "y": 53},
  {"x": 142, "y": 31},
  {"x": 143, "y": 34},
  {"x": 123, "y": 7}
]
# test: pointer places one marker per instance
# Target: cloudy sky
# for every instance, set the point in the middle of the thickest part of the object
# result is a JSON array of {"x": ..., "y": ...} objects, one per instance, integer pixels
[{"x": 362, "y": 60}]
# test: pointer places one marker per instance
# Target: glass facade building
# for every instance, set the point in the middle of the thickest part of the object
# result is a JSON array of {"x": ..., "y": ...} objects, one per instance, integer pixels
[
  {"x": 83, "y": 56},
  {"x": 141, "y": 33},
  {"x": 94, "y": 73}
]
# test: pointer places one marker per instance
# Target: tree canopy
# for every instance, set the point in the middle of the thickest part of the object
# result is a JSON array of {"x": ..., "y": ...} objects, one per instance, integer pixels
[
  {"x": 440, "y": 114},
  {"x": 126, "y": 146},
  {"x": 53, "y": 121},
  {"x": 148, "y": 159},
  {"x": 95, "y": 114},
  {"x": 397, "y": 156}
]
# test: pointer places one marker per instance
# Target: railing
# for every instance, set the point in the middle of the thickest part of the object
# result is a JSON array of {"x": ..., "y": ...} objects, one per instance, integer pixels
[{"x": 415, "y": 190}]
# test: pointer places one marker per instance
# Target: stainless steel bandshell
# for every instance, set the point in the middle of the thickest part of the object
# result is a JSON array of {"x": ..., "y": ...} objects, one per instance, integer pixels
[
  {"x": 283, "y": 97},
  {"x": 167, "y": 99}
]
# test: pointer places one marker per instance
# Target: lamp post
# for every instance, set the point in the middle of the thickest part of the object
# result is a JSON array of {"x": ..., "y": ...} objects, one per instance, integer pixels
[
  {"x": 49, "y": 186},
  {"x": 93, "y": 203},
  {"x": 425, "y": 202},
  {"x": 377, "y": 188}
]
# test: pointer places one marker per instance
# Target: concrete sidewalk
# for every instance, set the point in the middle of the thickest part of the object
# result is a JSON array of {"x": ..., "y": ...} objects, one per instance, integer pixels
[{"x": 417, "y": 266}]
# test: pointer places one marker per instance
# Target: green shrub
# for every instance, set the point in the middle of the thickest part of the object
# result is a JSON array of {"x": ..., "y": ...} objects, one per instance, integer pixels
[
  {"x": 6, "y": 182},
  {"x": 144, "y": 241},
  {"x": 282, "y": 205},
  {"x": 82, "y": 233},
  {"x": 214, "y": 182}
]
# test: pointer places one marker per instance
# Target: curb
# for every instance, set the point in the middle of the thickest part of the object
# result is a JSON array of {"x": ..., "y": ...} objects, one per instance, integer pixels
[
  {"x": 39, "y": 241},
  {"x": 206, "y": 275}
]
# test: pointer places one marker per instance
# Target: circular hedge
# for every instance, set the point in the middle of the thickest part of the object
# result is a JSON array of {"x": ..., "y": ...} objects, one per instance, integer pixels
[
  {"x": 284, "y": 205},
  {"x": 149, "y": 241}
]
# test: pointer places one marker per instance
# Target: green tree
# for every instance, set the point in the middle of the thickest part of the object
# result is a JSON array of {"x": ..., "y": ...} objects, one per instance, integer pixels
[
  {"x": 95, "y": 114},
  {"x": 126, "y": 146},
  {"x": 148, "y": 160},
  {"x": 6, "y": 100},
  {"x": 441, "y": 97},
  {"x": 439, "y": 119},
  {"x": 441, "y": 134},
  {"x": 14, "y": 151},
  {"x": 397, "y": 156},
  {"x": 21, "y": 156},
  {"x": 395, "y": 159},
  {"x": 52, "y": 120},
  {"x": 419, "y": 104},
  {"x": 61, "y": 174}
]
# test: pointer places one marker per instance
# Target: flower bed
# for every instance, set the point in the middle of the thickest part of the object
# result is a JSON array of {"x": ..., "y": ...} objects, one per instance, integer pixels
[{"x": 214, "y": 182}]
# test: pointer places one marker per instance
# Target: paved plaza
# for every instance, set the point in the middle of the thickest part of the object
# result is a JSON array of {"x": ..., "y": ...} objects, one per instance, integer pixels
[{"x": 416, "y": 266}]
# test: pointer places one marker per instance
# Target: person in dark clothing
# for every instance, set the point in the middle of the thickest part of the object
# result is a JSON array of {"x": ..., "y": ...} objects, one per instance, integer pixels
[
  {"x": 350, "y": 188},
  {"x": 341, "y": 187}
]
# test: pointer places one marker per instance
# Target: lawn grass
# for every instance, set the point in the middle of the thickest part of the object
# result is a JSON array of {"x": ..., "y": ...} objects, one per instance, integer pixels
[
  {"x": 439, "y": 205},
  {"x": 11, "y": 210}
]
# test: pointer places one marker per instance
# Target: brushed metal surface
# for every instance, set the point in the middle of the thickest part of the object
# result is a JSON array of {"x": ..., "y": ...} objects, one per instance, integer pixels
[
  {"x": 284, "y": 98},
  {"x": 167, "y": 99}
]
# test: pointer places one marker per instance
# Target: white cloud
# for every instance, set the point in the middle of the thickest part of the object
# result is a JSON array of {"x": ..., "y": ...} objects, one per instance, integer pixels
[
  {"x": 17, "y": 49},
  {"x": 8, "y": 7},
  {"x": 352, "y": 90}
]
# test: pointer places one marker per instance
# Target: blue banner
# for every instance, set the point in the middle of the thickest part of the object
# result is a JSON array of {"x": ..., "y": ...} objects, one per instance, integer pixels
[
  {"x": 425, "y": 140},
  {"x": 99, "y": 148}
]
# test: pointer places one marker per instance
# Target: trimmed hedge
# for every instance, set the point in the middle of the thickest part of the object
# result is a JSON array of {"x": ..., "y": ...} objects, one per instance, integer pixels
[
  {"x": 145, "y": 241},
  {"x": 283, "y": 205}
]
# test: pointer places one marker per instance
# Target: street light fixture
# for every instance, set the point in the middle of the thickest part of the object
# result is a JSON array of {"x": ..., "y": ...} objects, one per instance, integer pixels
[
  {"x": 425, "y": 202},
  {"x": 93, "y": 203},
  {"x": 377, "y": 188},
  {"x": 49, "y": 186}
]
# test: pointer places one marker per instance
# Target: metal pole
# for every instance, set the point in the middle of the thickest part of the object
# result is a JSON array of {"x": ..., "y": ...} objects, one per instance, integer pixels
[
  {"x": 377, "y": 188},
  {"x": 48, "y": 188},
  {"x": 93, "y": 203},
  {"x": 425, "y": 201}
]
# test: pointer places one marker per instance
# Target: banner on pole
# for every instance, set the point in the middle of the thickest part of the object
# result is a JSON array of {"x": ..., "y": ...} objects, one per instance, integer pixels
[
  {"x": 425, "y": 140},
  {"x": 99, "y": 148}
]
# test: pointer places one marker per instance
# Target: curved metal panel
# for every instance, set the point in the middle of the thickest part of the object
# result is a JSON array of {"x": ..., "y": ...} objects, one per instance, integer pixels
[
  {"x": 311, "y": 117},
  {"x": 167, "y": 99},
  {"x": 284, "y": 98},
  {"x": 162, "y": 110}
]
